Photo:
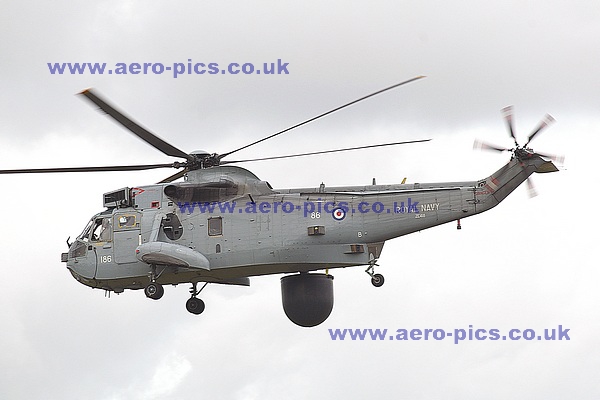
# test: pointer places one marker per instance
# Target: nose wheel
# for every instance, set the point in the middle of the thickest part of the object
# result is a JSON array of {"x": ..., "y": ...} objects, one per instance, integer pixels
[{"x": 194, "y": 304}]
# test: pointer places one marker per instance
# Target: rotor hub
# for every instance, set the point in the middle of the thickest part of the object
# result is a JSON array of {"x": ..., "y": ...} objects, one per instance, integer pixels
[{"x": 202, "y": 159}]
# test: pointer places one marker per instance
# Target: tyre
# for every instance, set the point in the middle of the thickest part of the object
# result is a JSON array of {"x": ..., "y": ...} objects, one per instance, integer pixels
[{"x": 195, "y": 305}]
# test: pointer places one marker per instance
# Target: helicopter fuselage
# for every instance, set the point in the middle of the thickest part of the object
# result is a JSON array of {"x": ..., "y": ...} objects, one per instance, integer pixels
[{"x": 224, "y": 225}]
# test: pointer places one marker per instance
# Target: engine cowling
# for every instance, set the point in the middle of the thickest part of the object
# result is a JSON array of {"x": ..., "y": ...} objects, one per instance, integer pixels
[{"x": 307, "y": 298}]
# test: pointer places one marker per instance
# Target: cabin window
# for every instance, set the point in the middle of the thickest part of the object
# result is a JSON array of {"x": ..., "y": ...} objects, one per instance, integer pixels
[
  {"x": 215, "y": 226},
  {"x": 172, "y": 227},
  {"x": 218, "y": 248},
  {"x": 126, "y": 221}
]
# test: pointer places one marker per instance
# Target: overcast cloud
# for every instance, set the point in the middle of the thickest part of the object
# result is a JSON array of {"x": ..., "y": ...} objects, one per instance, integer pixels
[{"x": 529, "y": 263}]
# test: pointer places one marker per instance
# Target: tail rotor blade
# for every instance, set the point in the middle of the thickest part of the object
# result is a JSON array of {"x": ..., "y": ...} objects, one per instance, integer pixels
[
  {"x": 531, "y": 188},
  {"x": 508, "y": 116},
  {"x": 547, "y": 120},
  {"x": 558, "y": 158},
  {"x": 479, "y": 145}
]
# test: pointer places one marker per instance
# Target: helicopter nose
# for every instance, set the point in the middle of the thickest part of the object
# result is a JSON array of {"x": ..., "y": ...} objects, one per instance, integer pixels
[{"x": 80, "y": 262}]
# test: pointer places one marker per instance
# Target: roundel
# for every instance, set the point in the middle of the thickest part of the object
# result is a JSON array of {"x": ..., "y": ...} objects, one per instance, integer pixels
[{"x": 338, "y": 214}]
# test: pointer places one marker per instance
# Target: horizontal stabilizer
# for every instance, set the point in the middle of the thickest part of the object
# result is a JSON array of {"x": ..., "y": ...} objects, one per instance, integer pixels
[
  {"x": 171, "y": 254},
  {"x": 546, "y": 167}
]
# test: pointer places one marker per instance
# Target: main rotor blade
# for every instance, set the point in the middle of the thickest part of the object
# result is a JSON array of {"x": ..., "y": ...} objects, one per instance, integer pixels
[
  {"x": 175, "y": 176},
  {"x": 547, "y": 120},
  {"x": 90, "y": 169},
  {"x": 135, "y": 128},
  {"x": 322, "y": 115},
  {"x": 326, "y": 151},
  {"x": 508, "y": 116}
]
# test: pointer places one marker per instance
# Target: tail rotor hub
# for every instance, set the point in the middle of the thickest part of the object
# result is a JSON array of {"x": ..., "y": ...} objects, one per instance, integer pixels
[{"x": 520, "y": 152}]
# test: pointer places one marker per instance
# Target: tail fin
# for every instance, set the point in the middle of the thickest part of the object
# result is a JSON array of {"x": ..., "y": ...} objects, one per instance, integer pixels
[{"x": 495, "y": 188}]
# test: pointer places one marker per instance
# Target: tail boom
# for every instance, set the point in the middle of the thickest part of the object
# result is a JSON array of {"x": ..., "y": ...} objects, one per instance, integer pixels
[{"x": 495, "y": 188}]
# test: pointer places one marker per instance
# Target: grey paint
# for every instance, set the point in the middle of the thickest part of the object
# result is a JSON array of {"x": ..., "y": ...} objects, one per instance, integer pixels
[{"x": 273, "y": 241}]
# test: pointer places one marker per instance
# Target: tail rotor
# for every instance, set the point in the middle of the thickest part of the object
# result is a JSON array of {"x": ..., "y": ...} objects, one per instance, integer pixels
[{"x": 521, "y": 152}]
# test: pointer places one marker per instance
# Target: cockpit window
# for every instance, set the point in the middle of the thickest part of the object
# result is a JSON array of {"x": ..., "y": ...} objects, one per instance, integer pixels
[
  {"x": 85, "y": 235},
  {"x": 101, "y": 231}
]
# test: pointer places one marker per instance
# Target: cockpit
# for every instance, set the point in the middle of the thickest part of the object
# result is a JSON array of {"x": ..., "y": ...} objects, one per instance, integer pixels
[{"x": 99, "y": 229}]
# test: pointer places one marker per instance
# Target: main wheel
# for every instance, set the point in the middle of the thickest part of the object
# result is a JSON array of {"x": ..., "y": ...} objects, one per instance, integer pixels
[
  {"x": 195, "y": 305},
  {"x": 154, "y": 291},
  {"x": 377, "y": 280}
]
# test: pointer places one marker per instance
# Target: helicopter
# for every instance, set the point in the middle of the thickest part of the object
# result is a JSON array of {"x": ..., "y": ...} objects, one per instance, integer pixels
[{"x": 222, "y": 224}]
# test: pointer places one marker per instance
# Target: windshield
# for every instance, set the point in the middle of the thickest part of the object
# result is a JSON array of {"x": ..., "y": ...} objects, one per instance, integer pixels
[{"x": 97, "y": 230}]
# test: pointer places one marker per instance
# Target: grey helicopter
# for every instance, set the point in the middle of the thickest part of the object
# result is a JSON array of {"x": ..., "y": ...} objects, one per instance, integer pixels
[{"x": 222, "y": 224}]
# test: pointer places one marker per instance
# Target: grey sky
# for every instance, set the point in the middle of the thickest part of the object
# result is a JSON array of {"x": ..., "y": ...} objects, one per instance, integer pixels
[{"x": 525, "y": 264}]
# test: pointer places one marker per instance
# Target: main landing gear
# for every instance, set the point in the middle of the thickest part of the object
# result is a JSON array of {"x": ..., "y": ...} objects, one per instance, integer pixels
[
  {"x": 194, "y": 304},
  {"x": 154, "y": 291},
  {"x": 376, "y": 279}
]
